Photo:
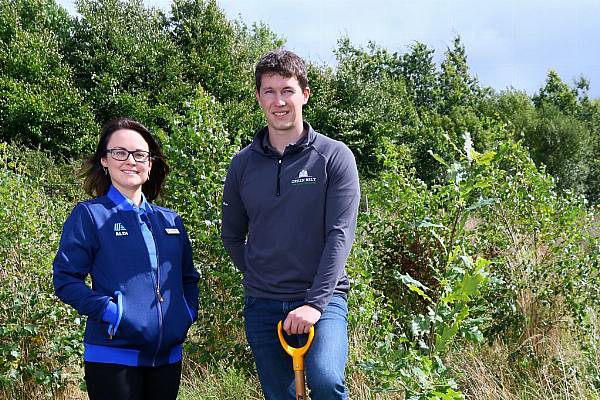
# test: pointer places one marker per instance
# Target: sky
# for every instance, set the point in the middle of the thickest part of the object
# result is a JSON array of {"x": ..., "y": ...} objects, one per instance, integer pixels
[{"x": 509, "y": 43}]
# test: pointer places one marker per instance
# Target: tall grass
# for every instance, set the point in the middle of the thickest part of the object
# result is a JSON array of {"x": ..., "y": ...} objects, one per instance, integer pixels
[{"x": 555, "y": 368}]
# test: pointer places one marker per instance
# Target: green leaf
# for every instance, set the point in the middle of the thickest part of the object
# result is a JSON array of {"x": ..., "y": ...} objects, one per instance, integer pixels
[
  {"x": 481, "y": 203},
  {"x": 419, "y": 325},
  {"x": 438, "y": 158},
  {"x": 485, "y": 158},
  {"x": 412, "y": 284},
  {"x": 418, "y": 291},
  {"x": 475, "y": 334},
  {"x": 426, "y": 224},
  {"x": 448, "y": 332},
  {"x": 471, "y": 283}
]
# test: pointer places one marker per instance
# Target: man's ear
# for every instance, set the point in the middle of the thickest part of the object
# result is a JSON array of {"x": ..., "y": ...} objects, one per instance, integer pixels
[{"x": 306, "y": 93}]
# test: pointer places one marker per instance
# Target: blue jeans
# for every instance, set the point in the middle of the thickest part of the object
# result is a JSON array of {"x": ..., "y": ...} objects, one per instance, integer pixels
[{"x": 325, "y": 361}]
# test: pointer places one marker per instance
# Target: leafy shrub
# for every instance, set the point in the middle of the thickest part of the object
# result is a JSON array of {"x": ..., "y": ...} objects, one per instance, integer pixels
[
  {"x": 125, "y": 63},
  {"x": 199, "y": 149},
  {"x": 39, "y": 103},
  {"x": 40, "y": 338},
  {"x": 432, "y": 264},
  {"x": 542, "y": 250},
  {"x": 428, "y": 241}
]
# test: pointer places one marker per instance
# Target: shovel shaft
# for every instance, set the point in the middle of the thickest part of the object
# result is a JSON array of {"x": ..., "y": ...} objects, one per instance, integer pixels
[{"x": 300, "y": 386}]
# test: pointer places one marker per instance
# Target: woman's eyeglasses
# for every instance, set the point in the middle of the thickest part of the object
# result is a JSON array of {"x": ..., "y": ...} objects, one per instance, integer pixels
[{"x": 120, "y": 154}]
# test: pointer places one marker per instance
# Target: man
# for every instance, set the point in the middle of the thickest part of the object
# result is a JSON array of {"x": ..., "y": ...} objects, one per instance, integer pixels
[{"x": 289, "y": 214}]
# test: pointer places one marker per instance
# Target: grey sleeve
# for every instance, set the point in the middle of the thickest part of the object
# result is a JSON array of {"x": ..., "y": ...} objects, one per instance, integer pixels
[
  {"x": 341, "y": 210},
  {"x": 234, "y": 225}
]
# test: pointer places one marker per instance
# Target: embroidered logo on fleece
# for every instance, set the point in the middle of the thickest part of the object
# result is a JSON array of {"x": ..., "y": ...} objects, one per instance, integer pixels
[
  {"x": 120, "y": 229},
  {"x": 304, "y": 179}
]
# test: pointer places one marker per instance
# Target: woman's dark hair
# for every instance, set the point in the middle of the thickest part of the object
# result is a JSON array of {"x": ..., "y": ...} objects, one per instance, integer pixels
[
  {"x": 284, "y": 63},
  {"x": 97, "y": 182}
]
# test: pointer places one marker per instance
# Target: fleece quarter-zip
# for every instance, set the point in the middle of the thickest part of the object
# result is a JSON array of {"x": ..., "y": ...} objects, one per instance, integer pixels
[{"x": 292, "y": 243}]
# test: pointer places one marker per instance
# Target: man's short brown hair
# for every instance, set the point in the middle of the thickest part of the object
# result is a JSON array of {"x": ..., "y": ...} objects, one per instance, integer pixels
[{"x": 284, "y": 63}]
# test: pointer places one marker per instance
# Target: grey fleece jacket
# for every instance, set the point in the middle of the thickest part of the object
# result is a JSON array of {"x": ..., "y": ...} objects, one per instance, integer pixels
[{"x": 288, "y": 220}]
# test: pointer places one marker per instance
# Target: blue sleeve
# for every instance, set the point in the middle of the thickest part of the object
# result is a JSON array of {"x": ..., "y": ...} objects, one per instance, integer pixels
[
  {"x": 342, "y": 199},
  {"x": 190, "y": 275},
  {"x": 234, "y": 225},
  {"x": 73, "y": 262}
]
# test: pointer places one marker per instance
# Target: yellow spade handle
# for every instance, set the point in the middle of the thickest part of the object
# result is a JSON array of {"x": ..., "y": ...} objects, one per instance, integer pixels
[{"x": 296, "y": 353}]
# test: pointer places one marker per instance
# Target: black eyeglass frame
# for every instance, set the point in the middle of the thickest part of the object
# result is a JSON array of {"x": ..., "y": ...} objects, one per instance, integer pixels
[{"x": 147, "y": 155}]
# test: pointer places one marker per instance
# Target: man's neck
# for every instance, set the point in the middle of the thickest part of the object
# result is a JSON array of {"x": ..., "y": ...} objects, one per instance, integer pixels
[{"x": 281, "y": 139}]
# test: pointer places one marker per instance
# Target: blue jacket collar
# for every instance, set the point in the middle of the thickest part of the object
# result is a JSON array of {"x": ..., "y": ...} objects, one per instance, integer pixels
[{"x": 126, "y": 204}]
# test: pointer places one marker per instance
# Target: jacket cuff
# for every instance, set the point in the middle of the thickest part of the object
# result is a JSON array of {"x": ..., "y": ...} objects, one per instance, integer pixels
[{"x": 110, "y": 313}]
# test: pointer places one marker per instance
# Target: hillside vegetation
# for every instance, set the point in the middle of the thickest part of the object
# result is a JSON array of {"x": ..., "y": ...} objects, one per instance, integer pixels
[{"x": 475, "y": 271}]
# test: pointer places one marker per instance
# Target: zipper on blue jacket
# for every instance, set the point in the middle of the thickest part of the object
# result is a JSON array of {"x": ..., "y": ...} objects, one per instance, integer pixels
[
  {"x": 159, "y": 297},
  {"x": 278, "y": 192},
  {"x": 160, "y": 329},
  {"x": 160, "y": 314}
]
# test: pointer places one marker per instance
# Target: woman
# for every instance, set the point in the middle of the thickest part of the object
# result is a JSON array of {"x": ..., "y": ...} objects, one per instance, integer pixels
[{"x": 144, "y": 293}]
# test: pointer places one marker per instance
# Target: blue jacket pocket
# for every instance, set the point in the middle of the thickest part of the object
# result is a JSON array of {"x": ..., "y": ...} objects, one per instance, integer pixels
[
  {"x": 189, "y": 310},
  {"x": 112, "y": 328}
]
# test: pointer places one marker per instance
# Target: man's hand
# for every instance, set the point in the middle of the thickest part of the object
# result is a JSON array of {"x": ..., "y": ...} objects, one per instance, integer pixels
[{"x": 300, "y": 320}]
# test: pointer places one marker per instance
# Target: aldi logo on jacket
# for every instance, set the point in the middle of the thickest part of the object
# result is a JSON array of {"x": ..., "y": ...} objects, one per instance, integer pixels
[{"x": 120, "y": 229}]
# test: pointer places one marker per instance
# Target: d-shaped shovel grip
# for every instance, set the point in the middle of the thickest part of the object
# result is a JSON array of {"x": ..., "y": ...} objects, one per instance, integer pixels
[
  {"x": 297, "y": 353},
  {"x": 297, "y": 359}
]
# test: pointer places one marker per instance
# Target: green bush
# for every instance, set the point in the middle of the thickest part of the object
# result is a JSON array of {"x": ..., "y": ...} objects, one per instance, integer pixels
[
  {"x": 39, "y": 103},
  {"x": 40, "y": 338},
  {"x": 494, "y": 253},
  {"x": 199, "y": 149},
  {"x": 125, "y": 63}
]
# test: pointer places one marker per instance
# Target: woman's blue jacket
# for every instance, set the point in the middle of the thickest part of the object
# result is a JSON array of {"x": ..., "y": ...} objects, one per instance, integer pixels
[{"x": 155, "y": 307}]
